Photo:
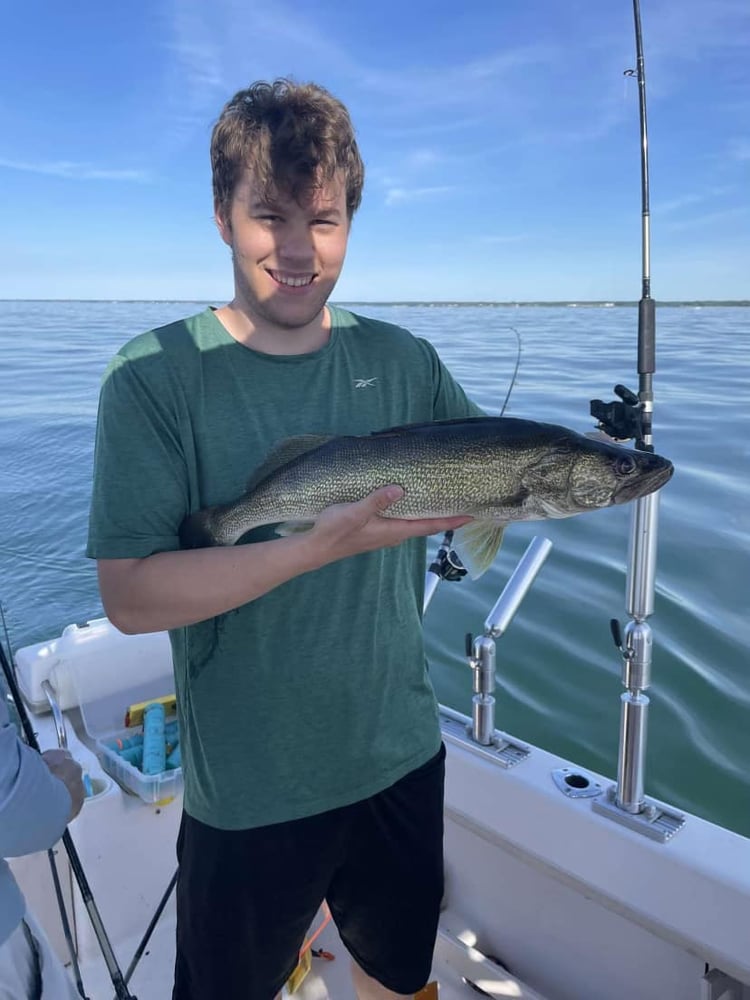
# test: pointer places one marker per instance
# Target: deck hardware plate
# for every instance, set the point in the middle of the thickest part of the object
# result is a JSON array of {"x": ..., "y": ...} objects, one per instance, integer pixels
[
  {"x": 503, "y": 750},
  {"x": 657, "y": 822}
]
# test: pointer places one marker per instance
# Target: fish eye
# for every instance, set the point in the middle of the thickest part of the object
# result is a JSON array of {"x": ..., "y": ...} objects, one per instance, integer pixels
[{"x": 625, "y": 464}]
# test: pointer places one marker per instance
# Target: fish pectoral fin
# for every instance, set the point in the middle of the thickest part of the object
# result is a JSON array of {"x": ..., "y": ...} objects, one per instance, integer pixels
[
  {"x": 287, "y": 528},
  {"x": 286, "y": 451},
  {"x": 477, "y": 544}
]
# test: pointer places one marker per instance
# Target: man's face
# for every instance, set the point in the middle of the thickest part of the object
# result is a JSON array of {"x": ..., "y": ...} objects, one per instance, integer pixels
[{"x": 287, "y": 256}]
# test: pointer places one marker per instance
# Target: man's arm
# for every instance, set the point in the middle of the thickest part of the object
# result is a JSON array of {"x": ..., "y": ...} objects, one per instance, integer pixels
[
  {"x": 39, "y": 794},
  {"x": 172, "y": 589}
]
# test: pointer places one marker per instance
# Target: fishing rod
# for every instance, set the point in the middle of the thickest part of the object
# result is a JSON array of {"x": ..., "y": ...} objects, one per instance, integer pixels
[
  {"x": 631, "y": 416},
  {"x": 121, "y": 990}
]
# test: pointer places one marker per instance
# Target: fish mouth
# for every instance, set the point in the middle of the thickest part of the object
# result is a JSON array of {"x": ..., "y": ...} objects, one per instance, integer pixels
[{"x": 647, "y": 482}]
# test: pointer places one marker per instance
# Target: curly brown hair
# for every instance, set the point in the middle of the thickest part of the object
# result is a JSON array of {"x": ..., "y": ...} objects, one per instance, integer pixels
[{"x": 295, "y": 137}]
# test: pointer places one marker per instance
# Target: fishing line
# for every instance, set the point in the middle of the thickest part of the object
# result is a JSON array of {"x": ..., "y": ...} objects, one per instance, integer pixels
[
  {"x": 515, "y": 371},
  {"x": 150, "y": 929},
  {"x": 446, "y": 565}
]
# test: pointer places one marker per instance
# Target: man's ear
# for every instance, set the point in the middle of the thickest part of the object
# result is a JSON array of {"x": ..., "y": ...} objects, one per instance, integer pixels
[{"x": 223, "y": 224}]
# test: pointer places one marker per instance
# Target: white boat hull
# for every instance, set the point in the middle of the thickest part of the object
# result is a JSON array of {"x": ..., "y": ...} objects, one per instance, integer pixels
[{"x": 576, "y": 906}]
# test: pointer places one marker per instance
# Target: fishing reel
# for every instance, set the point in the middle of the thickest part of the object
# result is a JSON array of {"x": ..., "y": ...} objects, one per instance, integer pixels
[
  {"x": 446, "y": 565},
  {"x": 624, "y": 418}
]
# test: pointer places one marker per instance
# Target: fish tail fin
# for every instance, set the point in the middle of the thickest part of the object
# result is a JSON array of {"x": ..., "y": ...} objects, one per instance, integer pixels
[
  {"x": 476, "y": 544},
  {"x": 199, "y": 531}
]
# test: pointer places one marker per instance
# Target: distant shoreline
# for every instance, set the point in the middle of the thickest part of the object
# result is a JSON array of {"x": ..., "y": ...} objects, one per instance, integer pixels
[{"x": 584, "y": 304}]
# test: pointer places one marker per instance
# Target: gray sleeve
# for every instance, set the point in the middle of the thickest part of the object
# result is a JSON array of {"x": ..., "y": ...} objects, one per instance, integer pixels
[{"x": 34, "y": 805}]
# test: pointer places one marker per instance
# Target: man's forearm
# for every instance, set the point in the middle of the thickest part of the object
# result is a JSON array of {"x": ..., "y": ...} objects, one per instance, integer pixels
[{"x": 173, "y": 589}]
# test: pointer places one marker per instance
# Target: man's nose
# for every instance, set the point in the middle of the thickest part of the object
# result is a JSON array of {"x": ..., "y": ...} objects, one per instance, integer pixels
[{"x": 297, "y": 243}]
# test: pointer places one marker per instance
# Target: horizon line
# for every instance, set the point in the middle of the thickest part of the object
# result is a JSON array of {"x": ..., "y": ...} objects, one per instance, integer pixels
[{"x": 431, "y": 302}]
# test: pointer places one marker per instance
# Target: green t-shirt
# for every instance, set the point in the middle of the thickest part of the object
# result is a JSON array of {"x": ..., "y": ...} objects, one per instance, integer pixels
[{"x": 315, "y": 695}]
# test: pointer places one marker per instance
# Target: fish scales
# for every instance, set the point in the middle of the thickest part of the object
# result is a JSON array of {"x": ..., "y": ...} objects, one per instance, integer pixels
[
  {"x": 440, "y": 474},
  {"x": 494, "y": 469}
]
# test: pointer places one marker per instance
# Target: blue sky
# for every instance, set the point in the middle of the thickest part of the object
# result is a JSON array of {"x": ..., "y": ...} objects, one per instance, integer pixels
[{"x": 500, "y": 139}]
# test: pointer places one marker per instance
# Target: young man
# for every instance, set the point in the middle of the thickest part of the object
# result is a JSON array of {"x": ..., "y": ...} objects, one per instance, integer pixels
[
  {"x": 39, "y": 796},
  {"x": 312, "y": 755}
]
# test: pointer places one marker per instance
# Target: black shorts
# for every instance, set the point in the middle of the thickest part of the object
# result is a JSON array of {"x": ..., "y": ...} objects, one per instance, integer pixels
[{"x": 246, "y": 898}]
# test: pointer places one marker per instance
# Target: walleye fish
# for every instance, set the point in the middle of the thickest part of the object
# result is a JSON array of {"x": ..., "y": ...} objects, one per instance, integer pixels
[{"x": 494, "y": 469}]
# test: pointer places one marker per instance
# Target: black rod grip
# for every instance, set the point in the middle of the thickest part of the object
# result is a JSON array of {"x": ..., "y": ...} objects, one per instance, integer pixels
[{"x": 646, "y": 337}]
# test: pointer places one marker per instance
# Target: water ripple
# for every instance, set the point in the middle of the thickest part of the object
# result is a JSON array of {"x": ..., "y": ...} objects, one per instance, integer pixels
[{"x": 559, "y": 679}]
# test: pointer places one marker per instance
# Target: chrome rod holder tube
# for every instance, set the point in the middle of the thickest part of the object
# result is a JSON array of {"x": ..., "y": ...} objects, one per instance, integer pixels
[
  {"x": 642, "y": 556},
  {"x": 517, "y": 586},
  {"x": 482, "y": 652},
  {"x": 630, "y": 770},
  {"x": 626, "y": 802},
  {"x": 636, "y": 657},
  {"x": 482, "y": 663}
]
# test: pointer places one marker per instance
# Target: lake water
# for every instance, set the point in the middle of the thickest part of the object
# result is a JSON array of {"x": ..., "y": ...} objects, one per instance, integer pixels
[{"x": 558, "y": 670}]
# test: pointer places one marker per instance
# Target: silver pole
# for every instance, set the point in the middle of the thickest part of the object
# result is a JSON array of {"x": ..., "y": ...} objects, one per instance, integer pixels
[
  {"x": 637, "y": 639},
  {"x": 517, "y": 586},
  {"x": 483, "y": 653}
]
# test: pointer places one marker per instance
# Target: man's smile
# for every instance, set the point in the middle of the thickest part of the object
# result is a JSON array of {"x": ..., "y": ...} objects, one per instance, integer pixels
[{"x": 291, "y": 280}]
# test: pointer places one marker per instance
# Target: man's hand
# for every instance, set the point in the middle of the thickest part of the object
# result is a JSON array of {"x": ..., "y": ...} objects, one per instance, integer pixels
[
  {"x": 62, "y": 765},
  {"x": 350, "y": 528}
]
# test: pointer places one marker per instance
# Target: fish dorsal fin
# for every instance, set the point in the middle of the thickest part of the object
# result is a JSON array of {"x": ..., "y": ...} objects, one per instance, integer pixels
[
  {"x": 284, "y": 452},
  {"x": 476, "y": 544},
  {"x": 431, "y": 423},
  {"x": 511, "y": 428}
]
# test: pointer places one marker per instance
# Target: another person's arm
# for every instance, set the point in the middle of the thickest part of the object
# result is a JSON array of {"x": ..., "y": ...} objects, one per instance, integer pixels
[{"x": 39, "y": 795}]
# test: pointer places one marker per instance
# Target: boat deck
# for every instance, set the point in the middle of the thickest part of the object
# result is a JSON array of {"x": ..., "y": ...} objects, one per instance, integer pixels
[{"x": 327, "y": 979}]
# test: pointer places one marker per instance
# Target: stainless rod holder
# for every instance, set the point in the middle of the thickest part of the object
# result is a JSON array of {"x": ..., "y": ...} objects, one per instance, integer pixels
[
  {"x": 483, "y": 702},
  {"x": 482, "y": 657},
  {"x": 642, "y": 556},
  {"x": 630, "y": 771},
  {"x": 636, "y": 657},
  {"x": 517, "y": 586}
]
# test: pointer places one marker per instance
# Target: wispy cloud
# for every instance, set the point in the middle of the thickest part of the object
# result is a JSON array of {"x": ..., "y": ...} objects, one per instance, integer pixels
[
  {"x": 420, "y": 158},
  {"x": 682, "y": 39},
  {"x": 77, "y": 171},
  {"x": 224, "y": 45},
  {"x": 194, "y": 75},
  {"x": 399, "y": 195},
  {"x": 686, "y": 31},
  {"x": 693, "y": 198},
  {"x": 467, "y": 84},
  {"x": 438, "y": 127},
  {"x": 505, "y": 238},
  {"x": 708, "y": 219},
  {"x": 212, "y": 39}
]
